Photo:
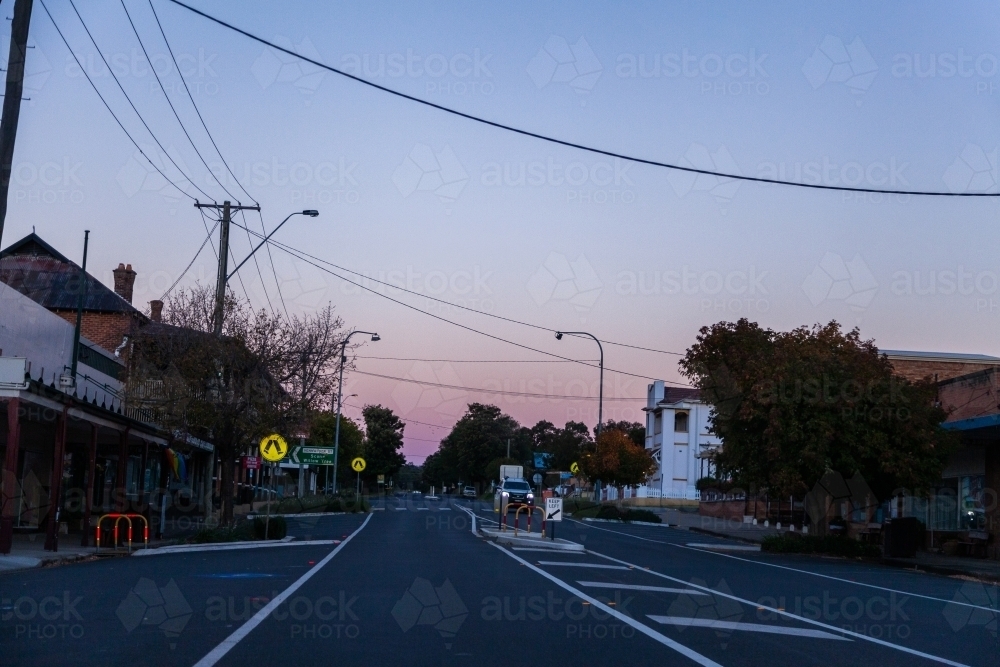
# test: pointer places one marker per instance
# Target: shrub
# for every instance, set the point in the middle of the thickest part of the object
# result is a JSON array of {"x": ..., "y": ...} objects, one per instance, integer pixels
[
  {"x": 277, "y": 528},
  {"x": 626, "y": 514},
  {"x": 834, "y": 545},
  {"x": 642, "y": 515},
  {"x": 238, "y": 532}
]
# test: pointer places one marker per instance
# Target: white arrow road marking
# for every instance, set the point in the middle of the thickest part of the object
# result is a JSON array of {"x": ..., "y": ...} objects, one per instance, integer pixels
[
  {"x": 241, "y": 632},
  {"x": 686, "y": 622}
]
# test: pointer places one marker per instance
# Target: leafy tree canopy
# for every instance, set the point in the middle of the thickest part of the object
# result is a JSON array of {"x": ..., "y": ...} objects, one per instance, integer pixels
[
  {"x": 383, "y": 442},
  {"x": 789, "y": 406}
]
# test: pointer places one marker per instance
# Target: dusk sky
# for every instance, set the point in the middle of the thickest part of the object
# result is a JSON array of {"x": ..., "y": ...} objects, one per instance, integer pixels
[{"x": 860, "y": 94}]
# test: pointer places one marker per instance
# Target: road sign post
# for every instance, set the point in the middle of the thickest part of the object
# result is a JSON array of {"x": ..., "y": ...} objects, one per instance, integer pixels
[
  {"x": 273, "y": 448},
  {"x": 553, "y": 513},
  {"x": 358, "y": 464}
]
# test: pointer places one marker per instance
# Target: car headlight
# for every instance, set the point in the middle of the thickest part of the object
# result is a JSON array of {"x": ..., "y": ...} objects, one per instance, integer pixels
[{"x": 531, "y": 496}]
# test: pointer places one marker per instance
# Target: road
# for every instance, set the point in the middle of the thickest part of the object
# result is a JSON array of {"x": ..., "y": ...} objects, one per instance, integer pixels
[{"x": 411, "y": 584}]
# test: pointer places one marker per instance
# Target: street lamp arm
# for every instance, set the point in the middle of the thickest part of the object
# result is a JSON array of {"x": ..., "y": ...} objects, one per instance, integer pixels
[
  {"x": 600, "y": 387},
  {"x": 267, "y": 238},
  {"x": 340, "y": 389}
]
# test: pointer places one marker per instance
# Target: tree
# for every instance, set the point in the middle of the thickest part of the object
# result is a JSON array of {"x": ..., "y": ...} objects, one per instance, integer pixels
[
  {"x": 263, "y": 374},
  {"x": 322, "y": 433},
  {"x": 789, "y": 406},
  {"x": 383, "y": 440},
  {"x": 634, "y": 430},
  {"x": 478, "y": 440},
  {"x": 617, "y": 461},
  {"x": 564, "y": 445}
]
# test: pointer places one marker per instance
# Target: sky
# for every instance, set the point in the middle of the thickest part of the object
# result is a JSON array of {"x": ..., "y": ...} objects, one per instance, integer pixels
[{"x": 467, "y": 215}]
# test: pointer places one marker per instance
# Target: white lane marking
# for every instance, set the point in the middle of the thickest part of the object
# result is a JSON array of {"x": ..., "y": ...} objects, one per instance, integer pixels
[
  {"x": 228, "y": 546},
  {"x": 644, "y": 629},
  {"x": 400, "y": 509},
  {"x": 644, "y": 539},
  {"x": 232, "y": 640},
  {"x": 849, "y": 581},
  {"x": 793, "y": 569},
  {"x": 549, "y": 551},
  {"x": 858, "y": 635},
  {"x": 724, "y": 547},
  {"x": 595, "y": 565},
  {"x": 423, "y": 509},
  {"x": 444, "y": 509},
  {"x": 472, "y": 515},
  {"x": 636, "y": 587},
  {"x": 686, "y": 622}
]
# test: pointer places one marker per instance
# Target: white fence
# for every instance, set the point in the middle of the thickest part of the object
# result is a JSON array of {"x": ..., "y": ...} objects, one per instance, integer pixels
[{"x": 612, "y": 493}]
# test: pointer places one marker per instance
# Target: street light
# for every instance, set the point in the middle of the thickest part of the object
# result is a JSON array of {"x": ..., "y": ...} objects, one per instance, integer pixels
[
  {"x": 600, "y": 389},
  {"x": 340, "y": 387},
  {"x": 312, "y": 213}
]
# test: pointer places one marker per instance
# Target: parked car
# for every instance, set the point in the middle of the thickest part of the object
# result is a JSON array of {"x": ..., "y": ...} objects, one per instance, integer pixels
[
  {"x": 518, "y": 492},
  {"x": 469, "y": 492}
]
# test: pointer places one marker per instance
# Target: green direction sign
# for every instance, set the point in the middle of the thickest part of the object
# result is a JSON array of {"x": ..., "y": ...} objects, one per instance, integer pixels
[{"x": 313, "y": 456}]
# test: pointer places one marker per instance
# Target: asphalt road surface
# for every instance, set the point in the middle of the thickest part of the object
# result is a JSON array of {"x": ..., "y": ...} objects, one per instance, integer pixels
[{"x": 411, "y": 584}]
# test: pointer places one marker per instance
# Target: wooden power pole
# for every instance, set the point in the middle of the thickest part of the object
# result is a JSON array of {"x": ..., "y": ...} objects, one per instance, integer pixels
[
  {"x": 12, "y": 98},
  {"x": 226, "y": 208}
]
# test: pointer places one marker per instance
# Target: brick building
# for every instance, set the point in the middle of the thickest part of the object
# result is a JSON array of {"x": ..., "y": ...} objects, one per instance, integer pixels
[
  {"x": 938, "y": 366},
  {"x": 34, "y": 268}
]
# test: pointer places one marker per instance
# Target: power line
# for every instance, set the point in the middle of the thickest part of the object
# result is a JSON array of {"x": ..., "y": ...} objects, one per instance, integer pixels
[
  {"x": 108, "y": 106},
  {"x": 127, "y": 98},
  {"x": 196, "y": 110},
  {"x": 274, "y": 271},
  {"x": 491, "y": 391},
  {"x": 191, "y": 263},
  {"x": 407, "y": 420},
  {"x": 167, "y": 97},
  {"x": 298, "y": 254},
  {"x": 454, "y": 305},
  {"x": 259, "y": 274},
  {"x": 562, "y": 142}
]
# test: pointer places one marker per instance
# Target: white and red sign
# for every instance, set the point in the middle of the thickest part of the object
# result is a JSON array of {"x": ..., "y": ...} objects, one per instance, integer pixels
[{"x": 251, "y": 463}]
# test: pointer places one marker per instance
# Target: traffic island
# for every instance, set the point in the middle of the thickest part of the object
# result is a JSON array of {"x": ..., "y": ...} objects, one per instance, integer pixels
[{"x": 524, "y": 539}]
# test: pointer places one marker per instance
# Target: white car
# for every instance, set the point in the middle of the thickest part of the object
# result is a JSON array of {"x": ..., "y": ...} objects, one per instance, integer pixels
[{"x": 469, "y": 492}]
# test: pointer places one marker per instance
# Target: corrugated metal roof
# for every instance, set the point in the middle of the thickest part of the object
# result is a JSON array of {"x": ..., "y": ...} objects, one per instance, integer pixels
[{"x": 44, "y": 275}]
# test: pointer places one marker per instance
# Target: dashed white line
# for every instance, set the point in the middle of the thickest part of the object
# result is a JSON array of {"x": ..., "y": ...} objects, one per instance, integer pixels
[
  {"x": 787, "y": 614},
  {"x": 601, "y": 566},
  {"x": 636, "y": 587},
  {"x": 641, "y": 627}
]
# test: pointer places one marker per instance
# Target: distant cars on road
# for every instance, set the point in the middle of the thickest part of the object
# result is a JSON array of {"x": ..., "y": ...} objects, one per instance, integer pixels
[{"x": 469, "y": 492}]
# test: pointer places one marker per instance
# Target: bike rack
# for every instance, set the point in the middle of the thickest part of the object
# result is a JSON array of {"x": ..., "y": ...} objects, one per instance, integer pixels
[
  {"x": 118, "y": 516},
  {"x": 530, "y": 508}
]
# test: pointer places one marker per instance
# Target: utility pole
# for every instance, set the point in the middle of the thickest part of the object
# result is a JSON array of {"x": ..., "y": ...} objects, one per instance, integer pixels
[
  {"x": 81, "y": 296},
  {"x": 12, "y": 98},
  {"x": 223, "y": 277}
]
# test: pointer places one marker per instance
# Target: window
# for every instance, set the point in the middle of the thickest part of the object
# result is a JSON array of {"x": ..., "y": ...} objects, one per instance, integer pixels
[
  {"x": 681, "y": 422},
  {"x": 657, "y": 423}
]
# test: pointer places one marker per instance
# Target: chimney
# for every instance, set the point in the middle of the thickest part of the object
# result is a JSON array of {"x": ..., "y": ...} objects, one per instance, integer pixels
[
  {"x": 124, "y": 281},
  {"x": 156, "y": 310}
]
